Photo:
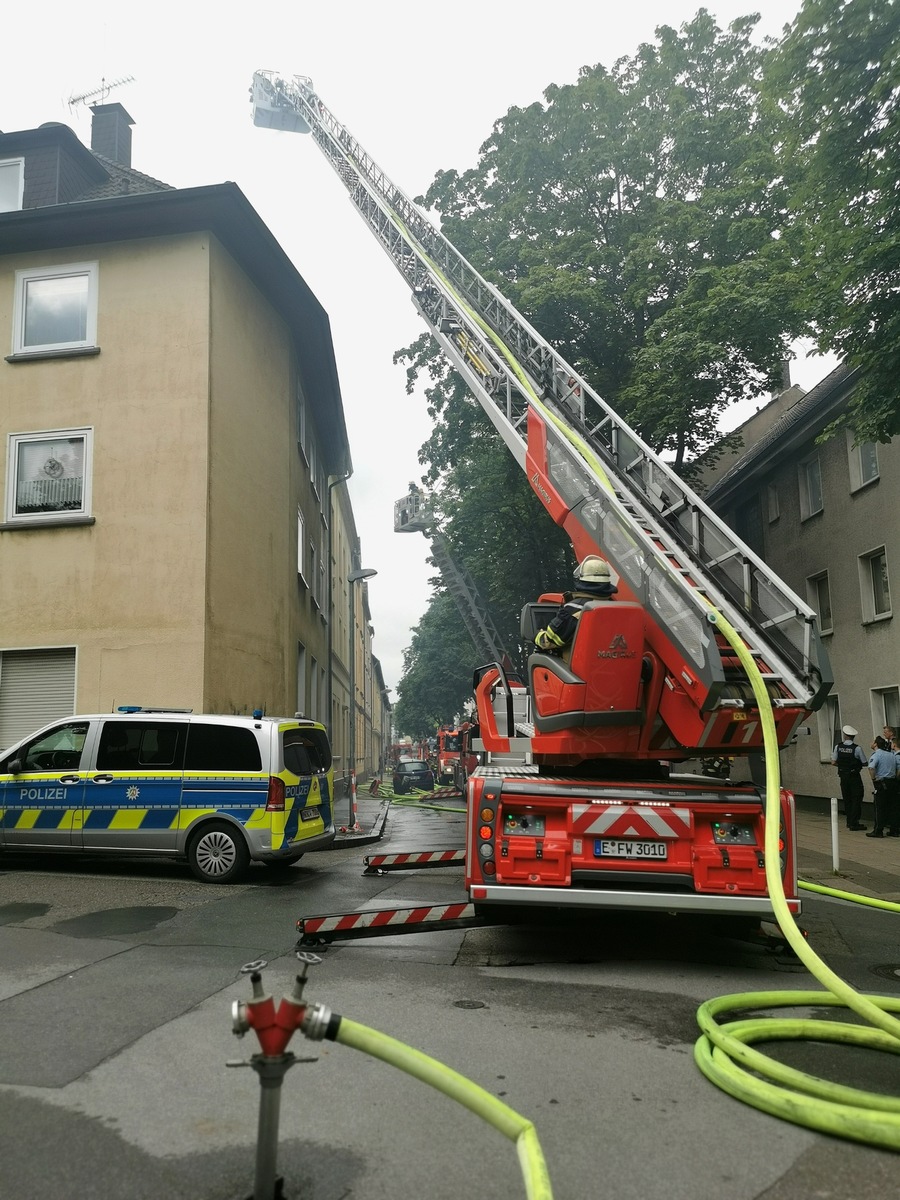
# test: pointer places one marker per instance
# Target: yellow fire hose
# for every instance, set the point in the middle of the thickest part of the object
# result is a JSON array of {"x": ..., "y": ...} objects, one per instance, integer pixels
[
  {"x": 872, "y": 901},
  {"x": 414, "y": 798},
  {"x": 504, "y": 1119},
  {"x": 724, "y": 1052}
]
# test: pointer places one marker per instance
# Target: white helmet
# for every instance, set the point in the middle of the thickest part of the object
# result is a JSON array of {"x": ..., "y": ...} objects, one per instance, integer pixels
[{"x": 592, "y": 569}]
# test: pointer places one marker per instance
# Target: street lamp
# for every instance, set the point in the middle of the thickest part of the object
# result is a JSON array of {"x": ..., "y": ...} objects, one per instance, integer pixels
[{"x": 352, "y": 578}]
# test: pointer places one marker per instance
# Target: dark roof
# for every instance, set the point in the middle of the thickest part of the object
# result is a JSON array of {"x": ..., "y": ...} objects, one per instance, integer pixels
[
  {"x": 224, "y": 211},
  {"x": 807, "y": 418},
  {"x": 122, "y": 181}
]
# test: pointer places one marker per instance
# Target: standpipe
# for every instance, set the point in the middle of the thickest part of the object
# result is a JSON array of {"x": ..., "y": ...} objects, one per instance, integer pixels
[
  {"x": 725, "y": 1053},
  {"x": 275, "y": 1025}
]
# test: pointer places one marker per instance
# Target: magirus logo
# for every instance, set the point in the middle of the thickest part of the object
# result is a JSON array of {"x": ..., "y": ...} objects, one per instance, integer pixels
[{"x": 618, "y": 648}]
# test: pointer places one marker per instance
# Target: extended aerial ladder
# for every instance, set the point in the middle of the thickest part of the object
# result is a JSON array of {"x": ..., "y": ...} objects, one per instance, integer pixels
[
  {"x": 595, "y": 476},
  {"x": 413, "y": 513}
]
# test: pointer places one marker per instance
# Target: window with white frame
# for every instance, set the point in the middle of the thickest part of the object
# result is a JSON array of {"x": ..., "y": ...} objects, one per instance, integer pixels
[
  {"x": 772, "y": 505},
  {"x": 829, "y": 727},
  {"x": 886, "y": 708},
  {"x": 312, "y": 456},
  {"x": 48, "y": 475},
  {"x": 12, "y": 184},
  {"x": 863, "y": 460},
  {"x": 313, "y": 579},
  {"x": 874, "y": 585},
  {"x": 810, "y": 487},
  {"x": 323, "y": 586},
  {"x": 301, "y": 547},
  {"x": 56, "y": 309},
  {"x": 819, "y": 594}
]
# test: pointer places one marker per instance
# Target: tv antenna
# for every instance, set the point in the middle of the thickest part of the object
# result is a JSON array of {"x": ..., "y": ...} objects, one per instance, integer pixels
[{"x": 102, "y": 91}]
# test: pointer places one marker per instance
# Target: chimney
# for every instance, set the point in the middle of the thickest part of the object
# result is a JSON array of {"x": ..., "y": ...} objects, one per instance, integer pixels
[{"x": 111, "y": 132}]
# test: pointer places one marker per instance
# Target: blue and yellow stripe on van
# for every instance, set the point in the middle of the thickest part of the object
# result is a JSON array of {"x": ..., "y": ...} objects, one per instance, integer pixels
[{"x": 47, "y": 804}]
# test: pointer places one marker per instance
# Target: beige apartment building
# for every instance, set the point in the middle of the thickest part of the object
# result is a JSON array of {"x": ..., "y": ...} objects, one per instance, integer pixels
[
  {"x": 821, "y": 515},
  {"x": 173, "y": 437}
]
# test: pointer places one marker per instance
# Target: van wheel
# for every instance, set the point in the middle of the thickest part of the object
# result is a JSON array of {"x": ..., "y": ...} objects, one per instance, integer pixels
[{"x": 218, "y": 854}]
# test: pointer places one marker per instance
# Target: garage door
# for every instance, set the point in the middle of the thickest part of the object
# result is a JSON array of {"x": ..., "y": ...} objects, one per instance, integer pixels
[{"x": 36, "y": 687}]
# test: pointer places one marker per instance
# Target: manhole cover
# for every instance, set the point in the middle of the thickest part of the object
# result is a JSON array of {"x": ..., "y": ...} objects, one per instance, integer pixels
[
  {"x": 888, "y": 971},
  {"x": 468, "y": 1004}
]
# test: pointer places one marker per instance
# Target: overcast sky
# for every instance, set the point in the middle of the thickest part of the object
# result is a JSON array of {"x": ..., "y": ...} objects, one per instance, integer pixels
[{"x": 419, "y": 85}]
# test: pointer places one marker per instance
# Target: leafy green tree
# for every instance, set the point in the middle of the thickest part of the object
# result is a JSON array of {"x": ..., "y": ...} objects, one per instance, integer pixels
[
  {"x": 836, "y": 79},
  {"x": 435, "y": 684},
  {"x": 497, "y": 530},
  {"x": 634, "y": 219},
  {"x": 631, "y": 217}
]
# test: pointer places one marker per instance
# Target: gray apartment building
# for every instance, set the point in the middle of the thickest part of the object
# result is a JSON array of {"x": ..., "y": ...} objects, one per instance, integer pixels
[{"x": 821, "y": 514}]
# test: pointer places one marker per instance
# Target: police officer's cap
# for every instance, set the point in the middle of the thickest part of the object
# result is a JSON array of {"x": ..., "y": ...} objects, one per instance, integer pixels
[{"x": 849, "y": 730}]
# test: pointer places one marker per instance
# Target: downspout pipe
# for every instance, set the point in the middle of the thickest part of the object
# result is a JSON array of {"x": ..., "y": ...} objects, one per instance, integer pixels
[{"x": 337, "y": 479}]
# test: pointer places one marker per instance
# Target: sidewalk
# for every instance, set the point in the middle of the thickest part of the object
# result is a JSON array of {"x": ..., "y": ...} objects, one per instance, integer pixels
[
  {"x": 869, "y": 866},
  {"x": 371, "y": 817}
]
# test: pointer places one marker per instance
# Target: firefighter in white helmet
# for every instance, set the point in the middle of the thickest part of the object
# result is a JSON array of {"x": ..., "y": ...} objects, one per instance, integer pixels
[{"x": 592, "y": 582}]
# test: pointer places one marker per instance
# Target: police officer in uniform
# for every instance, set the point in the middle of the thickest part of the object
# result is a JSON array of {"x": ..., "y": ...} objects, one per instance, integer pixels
[
  {"x": 850, "y": 760},
  {"x": 883, "y": 769},
  {"x": 592, "y": 582}
]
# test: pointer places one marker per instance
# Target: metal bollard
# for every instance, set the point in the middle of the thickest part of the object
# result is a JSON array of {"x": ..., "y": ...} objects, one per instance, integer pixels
[{"x": 835, "y": 856}]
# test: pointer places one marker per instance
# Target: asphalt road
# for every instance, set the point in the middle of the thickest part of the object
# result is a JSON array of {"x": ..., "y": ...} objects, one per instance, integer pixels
[{"x": 116, "y": 986}]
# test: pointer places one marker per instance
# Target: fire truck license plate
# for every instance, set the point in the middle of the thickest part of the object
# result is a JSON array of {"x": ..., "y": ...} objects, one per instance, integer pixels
[{"x": 612, "y": 848}]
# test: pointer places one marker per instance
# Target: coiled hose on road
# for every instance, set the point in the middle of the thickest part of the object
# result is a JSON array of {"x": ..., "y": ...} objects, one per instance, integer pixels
[{"x": 725, "y": 1053}]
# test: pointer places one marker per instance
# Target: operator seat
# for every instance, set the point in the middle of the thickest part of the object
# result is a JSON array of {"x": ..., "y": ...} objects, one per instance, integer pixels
[{"x": 602, "y": 681}]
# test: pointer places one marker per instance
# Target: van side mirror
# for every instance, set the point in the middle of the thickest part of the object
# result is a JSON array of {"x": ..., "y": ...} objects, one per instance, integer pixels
[{"x": 15, "y": 766}]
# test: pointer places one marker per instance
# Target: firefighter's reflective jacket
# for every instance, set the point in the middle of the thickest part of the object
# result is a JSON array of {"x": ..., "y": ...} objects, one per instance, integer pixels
[{"x": 559, "y": 633}]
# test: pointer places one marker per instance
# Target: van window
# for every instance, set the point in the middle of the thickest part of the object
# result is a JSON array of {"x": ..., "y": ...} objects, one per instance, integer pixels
[
  {"x": 306, "y": 751},
  {"x": 221, "y": 748},
  {"x": 58, "y": 750},
  {"x": 129, "y": 746}
]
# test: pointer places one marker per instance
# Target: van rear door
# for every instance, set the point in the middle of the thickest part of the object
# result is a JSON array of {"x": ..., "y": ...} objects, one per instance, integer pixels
[{"x": 308, "y": 780}]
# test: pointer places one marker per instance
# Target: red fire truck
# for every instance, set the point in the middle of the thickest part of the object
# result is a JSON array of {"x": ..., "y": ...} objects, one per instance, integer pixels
[
  {"x": 704, "y": 652},
  {"x": 454, "y": 760}
]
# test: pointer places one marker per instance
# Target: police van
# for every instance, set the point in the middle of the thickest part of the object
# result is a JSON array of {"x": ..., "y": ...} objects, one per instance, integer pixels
[{"x": 216, "y": 791}]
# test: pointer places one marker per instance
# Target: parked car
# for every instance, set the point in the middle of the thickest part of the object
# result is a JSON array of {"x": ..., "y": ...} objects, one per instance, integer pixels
[
  {"x": 413, "y": 774},
  {"x": 217, "y": 791}
]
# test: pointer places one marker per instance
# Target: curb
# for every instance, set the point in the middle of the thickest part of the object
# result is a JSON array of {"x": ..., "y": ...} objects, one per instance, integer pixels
[{"x": 363, "y": 838}]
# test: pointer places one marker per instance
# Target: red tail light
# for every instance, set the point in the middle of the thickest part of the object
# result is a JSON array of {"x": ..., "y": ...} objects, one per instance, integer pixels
[{"x": 275, "y": 798}]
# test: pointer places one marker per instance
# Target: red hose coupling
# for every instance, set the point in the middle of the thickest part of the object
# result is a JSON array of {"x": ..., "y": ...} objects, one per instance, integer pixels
[{"x": 274, "y": 1027}]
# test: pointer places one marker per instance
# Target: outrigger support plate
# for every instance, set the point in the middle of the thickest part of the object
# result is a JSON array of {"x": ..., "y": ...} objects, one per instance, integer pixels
[
  {"x": 413, "y": 860},
  {"x": 386, "y": 922}
]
